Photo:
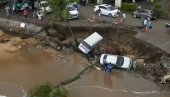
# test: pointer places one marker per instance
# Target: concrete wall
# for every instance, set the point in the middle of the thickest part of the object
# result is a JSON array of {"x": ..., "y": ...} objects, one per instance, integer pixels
[{"x": 118, "y": 3}]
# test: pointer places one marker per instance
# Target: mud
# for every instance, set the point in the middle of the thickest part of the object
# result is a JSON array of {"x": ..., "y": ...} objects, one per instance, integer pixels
[{"x": 29, "y": 62}]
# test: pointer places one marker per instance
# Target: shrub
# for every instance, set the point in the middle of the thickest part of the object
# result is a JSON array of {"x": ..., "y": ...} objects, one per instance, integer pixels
[
  {"x": 47, "y": 90},
  {"x": 159, "y": 12},
  {"x": 92, "y": 1},
  {"x": 128, "y": 7}
]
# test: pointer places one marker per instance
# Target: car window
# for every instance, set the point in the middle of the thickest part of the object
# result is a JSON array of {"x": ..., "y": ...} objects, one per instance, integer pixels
[
  {"x": 102, "y": 7},
  {"x": 104, "y": 59},
  {"x": 120, "y": 61},
  {"x": 86, "y": 45},
  {"x": 111, "y": 8},
  {"x": 141, "y": 11},
  {"x": 70, "y": 8},
  {"x": 44, "y": 4}
]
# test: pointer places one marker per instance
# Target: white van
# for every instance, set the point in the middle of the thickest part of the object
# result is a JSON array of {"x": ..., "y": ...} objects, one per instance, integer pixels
[{"x": 87, "y": 44}]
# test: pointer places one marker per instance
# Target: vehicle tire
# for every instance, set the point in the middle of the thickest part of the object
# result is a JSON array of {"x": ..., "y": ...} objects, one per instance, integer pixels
[
  {"x": 110, "y": 15},
  {"x": 134, "y": 15}
]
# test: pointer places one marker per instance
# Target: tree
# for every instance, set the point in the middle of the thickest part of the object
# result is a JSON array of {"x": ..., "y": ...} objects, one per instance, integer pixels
[{"x": 59, "y": 8}]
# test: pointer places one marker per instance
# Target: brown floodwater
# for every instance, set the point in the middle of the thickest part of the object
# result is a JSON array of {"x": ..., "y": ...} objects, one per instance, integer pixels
[{"x": 23, "y": 68}]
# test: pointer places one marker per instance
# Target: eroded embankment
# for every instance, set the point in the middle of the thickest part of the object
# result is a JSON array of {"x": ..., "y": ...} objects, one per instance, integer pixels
[{"x": 117, "y": 40}]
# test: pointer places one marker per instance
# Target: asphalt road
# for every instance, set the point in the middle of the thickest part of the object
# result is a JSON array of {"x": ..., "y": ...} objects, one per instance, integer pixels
[{"x": 159, "y": 36}]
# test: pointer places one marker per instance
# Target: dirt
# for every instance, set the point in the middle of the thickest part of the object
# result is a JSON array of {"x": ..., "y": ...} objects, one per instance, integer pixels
[
  {"x": 40, "y": 64},
  {"x": 146, "y": 55}
]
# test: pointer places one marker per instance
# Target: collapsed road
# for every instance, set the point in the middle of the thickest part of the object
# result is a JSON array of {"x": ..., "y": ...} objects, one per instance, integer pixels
[{"x": 150, "y": 61}]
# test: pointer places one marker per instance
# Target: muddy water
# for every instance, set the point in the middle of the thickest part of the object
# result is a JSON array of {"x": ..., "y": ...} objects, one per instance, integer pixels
[
  {"x": 26, "y": 67},
  {"x": 22, "y": 68},
  {"x": 118, "y": 84}
]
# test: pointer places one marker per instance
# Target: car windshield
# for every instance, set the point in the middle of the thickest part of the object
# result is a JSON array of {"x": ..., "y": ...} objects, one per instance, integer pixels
[
  {"x": 120, "y": 61},
  {"x": 111, "y": 8},
  {"x": 70, "y": 8},
  {"x": 104, "y": 58},
  {"x": 85, "y": 44}
]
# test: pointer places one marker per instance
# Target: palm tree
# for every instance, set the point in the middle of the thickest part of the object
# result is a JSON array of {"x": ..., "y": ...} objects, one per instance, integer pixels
[{"x": 59, "y": 8}]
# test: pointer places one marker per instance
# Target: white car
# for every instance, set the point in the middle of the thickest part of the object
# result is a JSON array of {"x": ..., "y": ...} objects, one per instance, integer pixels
[
  {"x": 73, "y": 13},
  {"x": 108, "y": 10},
  {"x": 116, "y": 60},
  {"x": 44, "y": 6}
]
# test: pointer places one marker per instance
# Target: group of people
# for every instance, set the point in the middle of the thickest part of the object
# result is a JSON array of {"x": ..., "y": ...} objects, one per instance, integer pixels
[
  {"x": 146, "y": 24},
  {"x": 37, "y": 15}
]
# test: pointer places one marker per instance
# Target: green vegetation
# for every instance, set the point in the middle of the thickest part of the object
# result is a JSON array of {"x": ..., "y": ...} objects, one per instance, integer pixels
[
  {"x": 92, "y": 1},
  {"x": 162, "y": 8},
  {"x": 128, "y": 7},
  {"x": 47, "y": 91}
]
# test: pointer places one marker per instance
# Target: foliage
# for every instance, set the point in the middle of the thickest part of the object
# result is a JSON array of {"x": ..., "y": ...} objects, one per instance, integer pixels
[
  {"x": 128, "y": 7},
  {"x": 159, "y": 11},
  {"x": 58, "y": 92},
  {"x": 41, "y": 91},
  {"x": 92, "y": 1},
  {"x": 58, "y": 7},
  {"x": 47, "y": 91}
]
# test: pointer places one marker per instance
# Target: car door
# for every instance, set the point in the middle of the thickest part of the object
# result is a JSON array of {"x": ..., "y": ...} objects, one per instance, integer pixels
[{"x": 104, "y": 10}]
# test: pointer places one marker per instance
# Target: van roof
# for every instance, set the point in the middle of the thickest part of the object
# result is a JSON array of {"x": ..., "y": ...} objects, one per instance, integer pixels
[{"x": 93, "y": 39}]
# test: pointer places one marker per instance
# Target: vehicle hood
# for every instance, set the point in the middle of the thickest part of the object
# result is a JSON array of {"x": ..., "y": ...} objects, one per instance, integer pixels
[
  {"x": 127, "y": 62},
  {"x": 73, "y": 12},
  {"x": 114, "y": 11}
]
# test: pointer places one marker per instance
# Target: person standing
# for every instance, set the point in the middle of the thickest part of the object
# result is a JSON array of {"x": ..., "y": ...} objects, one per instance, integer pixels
[
  {"x": 25, "y": 13},
  {"x": 145, "y": 25},
  {"x": 7, "y": 11},
  {"x": 34, "y": 15},
  {"x": 98, "y": 11},
  {"x": 149, "y": 24},
  {"x": 139, "y": 7},
  {"x": 109, "y": 68},
  {"x": 124, "y": 18},
  {"x": 142, "y": 22}
]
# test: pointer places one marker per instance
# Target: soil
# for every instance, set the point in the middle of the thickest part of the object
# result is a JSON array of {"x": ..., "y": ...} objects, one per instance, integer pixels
[{"x": 118, "y": 41}]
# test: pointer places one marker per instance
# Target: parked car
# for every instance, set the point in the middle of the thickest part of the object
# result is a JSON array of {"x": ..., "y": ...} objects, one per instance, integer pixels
[
  {"x": 144, "y": 13},
  {"x": 108, "y": 10},
  {"x": 167, "y": 25},
  {"x": 73, "y": 13},
  {"x": 17, "y": 6},
  {"x": 44, "y": 7},
  {"x": 117, "y": 61},
  {"x": 90, "y": 42}
]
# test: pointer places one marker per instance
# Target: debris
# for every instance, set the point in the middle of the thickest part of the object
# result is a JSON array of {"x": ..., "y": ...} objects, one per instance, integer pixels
[
  {"x": 165, "y": 79},
  {"x": 62, "y": 57}
]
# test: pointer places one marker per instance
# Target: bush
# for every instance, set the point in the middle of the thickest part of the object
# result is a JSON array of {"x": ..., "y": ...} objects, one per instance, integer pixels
[
  {"x": 159, "y": 12},
  {"x": 47, "y": 90},
  {"x": 92, "y": 1},
  {"x": 128, "y": 7}
]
